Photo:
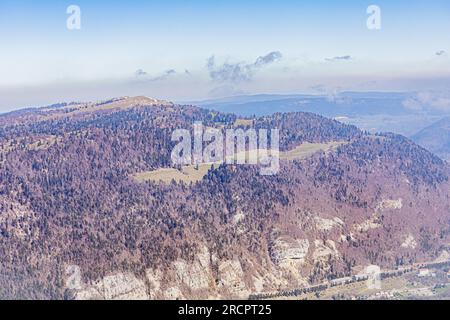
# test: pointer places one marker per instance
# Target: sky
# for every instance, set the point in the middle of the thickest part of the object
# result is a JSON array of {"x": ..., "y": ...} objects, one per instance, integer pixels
[{"x": 196, "y": 49}]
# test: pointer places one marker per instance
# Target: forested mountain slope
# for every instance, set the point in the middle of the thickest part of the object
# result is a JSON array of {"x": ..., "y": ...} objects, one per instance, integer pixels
[{"x": 69, "y": 204}]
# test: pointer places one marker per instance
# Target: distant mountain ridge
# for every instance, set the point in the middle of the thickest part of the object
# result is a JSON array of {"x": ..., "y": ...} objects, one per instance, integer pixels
[
  {"x": 342, "y": 104},
  {"x": 370, "y": 111},
  {"x": 436, "y": 138}
]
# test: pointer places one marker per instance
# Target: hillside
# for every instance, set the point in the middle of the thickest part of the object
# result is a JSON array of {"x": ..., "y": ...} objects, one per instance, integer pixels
[
  {"x": 436, "y": 138},
  {"x": 76, "y": 223}
]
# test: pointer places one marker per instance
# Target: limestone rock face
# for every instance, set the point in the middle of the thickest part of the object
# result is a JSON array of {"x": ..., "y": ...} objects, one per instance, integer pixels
[
  {"x": 391, "y": 204},
  {"x": 410, "y": 242},
  {"x": 287, "y": 248},
  {"x": 323, "y": 250},
  {"x": 193, "y": 280},
  {"x": 231, "y": 278},
  {"x": 196, "y": 275},
  {"x": 120, "y": 286},
  {"x": 327, "y": 224}
]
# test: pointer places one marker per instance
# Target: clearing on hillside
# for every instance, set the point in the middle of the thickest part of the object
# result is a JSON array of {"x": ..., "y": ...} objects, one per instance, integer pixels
[{"x": 192, "y": 173}]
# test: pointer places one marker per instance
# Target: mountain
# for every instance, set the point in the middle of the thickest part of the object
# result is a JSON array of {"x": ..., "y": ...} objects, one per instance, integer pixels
[
  {"x": 436, "y": 138},
  {"x": 342, "y": 104},
  {"x": 370, "y": 111},
  {"x": 92, "y": 207}
]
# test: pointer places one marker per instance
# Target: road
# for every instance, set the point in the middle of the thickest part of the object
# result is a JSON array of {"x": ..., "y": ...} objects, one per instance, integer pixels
[{"x": 348, "y": 280}]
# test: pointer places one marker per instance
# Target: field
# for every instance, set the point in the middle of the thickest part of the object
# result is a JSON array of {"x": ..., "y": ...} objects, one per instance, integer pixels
[
  {"x": 243, "y": 122},
  {"x": 307, "y": 149},
  {"x": 188, "y": 174},
  {"x": 191, "y": 174}
]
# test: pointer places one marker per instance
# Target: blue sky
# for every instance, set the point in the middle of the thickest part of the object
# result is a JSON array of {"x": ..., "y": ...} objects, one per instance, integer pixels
[{"x": 170, "y": 42}]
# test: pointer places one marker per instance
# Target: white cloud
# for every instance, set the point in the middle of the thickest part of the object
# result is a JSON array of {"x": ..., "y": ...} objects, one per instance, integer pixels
[
  {"x": 239, "y": 72},
  {"x": 339, "y": 58},
  {"x": 142, "y": 75},
  {"x": 428, "y": 100}
]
